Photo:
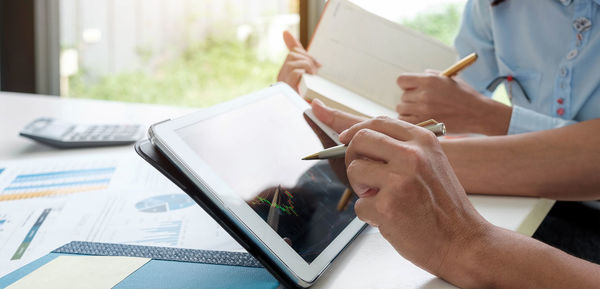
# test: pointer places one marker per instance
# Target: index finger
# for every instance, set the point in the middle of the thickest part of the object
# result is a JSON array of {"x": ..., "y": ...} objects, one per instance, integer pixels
[
  {"x": 409, "y": 81},
  {"x": 302, "y": 51},
  {"x": 290, "y": 41},
  {"x": 333, "y": 118},
  {"x": 394, "y": 128}
]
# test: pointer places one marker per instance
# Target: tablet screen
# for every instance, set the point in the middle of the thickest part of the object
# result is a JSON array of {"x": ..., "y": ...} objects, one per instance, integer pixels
[{"x": 257, "y": 151}]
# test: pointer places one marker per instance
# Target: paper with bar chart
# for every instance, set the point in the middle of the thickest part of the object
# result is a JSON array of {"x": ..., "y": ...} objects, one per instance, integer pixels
[
  {"x": 45, "y": 203},
  {"x": 144, "y": 217},
  {"x": 51, "y": 179},
  {"x": 57, "y": 183},
  {"x": 26, "y": 231}
]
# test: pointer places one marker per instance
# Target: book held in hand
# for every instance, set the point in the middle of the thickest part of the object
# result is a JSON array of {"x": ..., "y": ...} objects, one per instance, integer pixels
[{"x": 362, "y": 55}]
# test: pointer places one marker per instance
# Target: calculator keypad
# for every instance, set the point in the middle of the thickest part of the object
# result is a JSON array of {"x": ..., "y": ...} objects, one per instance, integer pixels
[
  {"x": 64, "y": 134},
  {"x": 94, "y": 133}
]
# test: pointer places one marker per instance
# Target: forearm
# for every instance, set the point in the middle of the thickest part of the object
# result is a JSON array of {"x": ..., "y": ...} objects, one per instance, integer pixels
[
  {"x": 505, "y": 259},
  {"x": 559, "y": 164},
  {"x": 493, "y": 118}
]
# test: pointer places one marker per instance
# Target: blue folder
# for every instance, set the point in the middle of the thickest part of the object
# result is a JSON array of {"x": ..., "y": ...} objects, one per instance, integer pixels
[{"x": 168, "y": 267}]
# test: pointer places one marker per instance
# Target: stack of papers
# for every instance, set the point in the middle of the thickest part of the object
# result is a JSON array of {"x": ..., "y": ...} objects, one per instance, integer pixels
[{"x": 46, "y": 203}]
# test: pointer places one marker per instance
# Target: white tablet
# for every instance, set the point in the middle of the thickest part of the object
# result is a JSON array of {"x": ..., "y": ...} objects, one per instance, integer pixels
[{"x": 245, "y": 156}]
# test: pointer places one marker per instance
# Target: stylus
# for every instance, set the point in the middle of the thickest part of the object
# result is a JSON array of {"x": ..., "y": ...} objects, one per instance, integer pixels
[{"x": 438, "y": 128}]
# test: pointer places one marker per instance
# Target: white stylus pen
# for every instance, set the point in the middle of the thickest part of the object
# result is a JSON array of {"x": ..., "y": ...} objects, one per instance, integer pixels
[{"x": 339, "y": 151}]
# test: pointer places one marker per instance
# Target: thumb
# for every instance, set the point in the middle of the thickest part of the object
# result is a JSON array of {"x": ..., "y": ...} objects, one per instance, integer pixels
[{"x": 290, "y": 41}]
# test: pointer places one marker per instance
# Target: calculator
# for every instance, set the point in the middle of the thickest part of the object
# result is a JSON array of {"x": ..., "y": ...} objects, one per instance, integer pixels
[{"x": 64, "y": 134}]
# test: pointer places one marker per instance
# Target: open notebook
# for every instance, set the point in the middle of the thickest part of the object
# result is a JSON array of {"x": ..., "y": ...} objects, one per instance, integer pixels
[{"x": 362, "y": 54}]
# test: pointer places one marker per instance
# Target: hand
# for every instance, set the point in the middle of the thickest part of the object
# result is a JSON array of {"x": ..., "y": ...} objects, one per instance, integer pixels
[
  {"x": 452, "y": 101},
  {"x": 407, "y": 188},
  {"x": 297, "y": 62}
]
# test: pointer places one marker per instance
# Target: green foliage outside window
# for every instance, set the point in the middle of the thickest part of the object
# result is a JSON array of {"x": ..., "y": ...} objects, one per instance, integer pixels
[
  {"x": 442, "y": 25},
  {"x": 204, "y": 74}
]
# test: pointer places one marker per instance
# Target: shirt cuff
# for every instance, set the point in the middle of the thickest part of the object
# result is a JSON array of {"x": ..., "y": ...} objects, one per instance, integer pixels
[{"x": 524, "y": 120}]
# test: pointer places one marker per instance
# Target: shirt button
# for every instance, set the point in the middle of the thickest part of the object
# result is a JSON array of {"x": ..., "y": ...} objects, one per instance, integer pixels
[
  {"x": 582, "y": 24},
  {"x": 563, "y": 71},
  {"x": 560, "y": 111},
  {"x": 560, "y": 100},
  {"x": 572, "y": 54}
]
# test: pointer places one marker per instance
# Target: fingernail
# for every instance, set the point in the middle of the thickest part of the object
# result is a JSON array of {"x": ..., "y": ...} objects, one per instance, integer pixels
[
  {"x": 317, "y": 102},
  {"x": 365, "y": 191},
  {"x": 369, "y": 193}
]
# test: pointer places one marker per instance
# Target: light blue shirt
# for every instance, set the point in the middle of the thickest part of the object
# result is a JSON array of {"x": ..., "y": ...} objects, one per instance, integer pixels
[{"x": 551, "y": 47}]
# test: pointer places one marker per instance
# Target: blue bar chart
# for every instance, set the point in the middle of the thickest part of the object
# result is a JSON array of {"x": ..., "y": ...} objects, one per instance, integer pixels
[{"x": 54, "y": 183}]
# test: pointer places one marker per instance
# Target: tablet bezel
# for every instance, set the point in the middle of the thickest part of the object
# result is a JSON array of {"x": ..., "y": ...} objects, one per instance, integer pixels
[{"x": 164, "y": 136}]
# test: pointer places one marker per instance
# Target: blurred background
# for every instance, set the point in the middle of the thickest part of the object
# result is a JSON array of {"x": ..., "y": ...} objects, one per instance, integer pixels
[{"x": 177, "y": 52}]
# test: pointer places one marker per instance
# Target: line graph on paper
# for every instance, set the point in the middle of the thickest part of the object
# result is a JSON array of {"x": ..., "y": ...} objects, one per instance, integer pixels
[{"x": 49, "y": 182}]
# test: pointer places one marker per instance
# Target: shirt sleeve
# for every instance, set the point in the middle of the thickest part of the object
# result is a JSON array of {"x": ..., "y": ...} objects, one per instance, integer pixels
[
  {"x": 476, "y": 35},
  {"x": 525, "y": 120}
]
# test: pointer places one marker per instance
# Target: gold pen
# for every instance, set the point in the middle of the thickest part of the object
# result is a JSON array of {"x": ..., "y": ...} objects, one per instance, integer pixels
[
  {"x": 460, "y": 65},
  {"x": 439, "y": 129}
]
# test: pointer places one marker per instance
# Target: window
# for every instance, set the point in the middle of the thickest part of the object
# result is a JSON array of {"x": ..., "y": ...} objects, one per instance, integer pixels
[
  {"x": 200, "y": 52},
  {"x": 177, "y": 52}
]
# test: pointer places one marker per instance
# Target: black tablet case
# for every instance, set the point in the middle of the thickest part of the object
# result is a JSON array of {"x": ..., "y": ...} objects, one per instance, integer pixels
[{"x": 153, "y": 156}]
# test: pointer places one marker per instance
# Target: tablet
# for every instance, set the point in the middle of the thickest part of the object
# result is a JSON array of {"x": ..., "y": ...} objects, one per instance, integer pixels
[{"x": 245, "y": 156}]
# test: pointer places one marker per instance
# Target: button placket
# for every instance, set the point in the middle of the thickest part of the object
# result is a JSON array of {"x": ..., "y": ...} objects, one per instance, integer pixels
[
  {"x": 562, "y": 92},
  {"x": 581, "y": 24}
]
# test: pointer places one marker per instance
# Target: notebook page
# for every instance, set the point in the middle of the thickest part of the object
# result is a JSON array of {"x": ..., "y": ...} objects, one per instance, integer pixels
[{"x": 365, "y": 53}]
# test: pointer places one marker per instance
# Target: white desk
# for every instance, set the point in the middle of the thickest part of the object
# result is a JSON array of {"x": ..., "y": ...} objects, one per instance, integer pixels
[{"x": 369, "y": 262}]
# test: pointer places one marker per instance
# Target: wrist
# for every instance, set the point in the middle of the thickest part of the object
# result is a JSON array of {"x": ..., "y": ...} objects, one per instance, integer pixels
[
  {"x": 466, "y": 263},
  {"x": 495, "y": 118}
]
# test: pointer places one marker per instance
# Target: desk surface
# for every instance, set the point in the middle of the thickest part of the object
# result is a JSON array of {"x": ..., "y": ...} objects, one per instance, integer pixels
[{"x": 369, "y": 262}]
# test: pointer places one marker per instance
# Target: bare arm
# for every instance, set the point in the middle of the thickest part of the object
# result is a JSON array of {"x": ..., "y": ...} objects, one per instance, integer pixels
[
  {"x": 558, "y": 164},
  {"x": 407, "y": 189},
  {"x": 505, "y": 259}
]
